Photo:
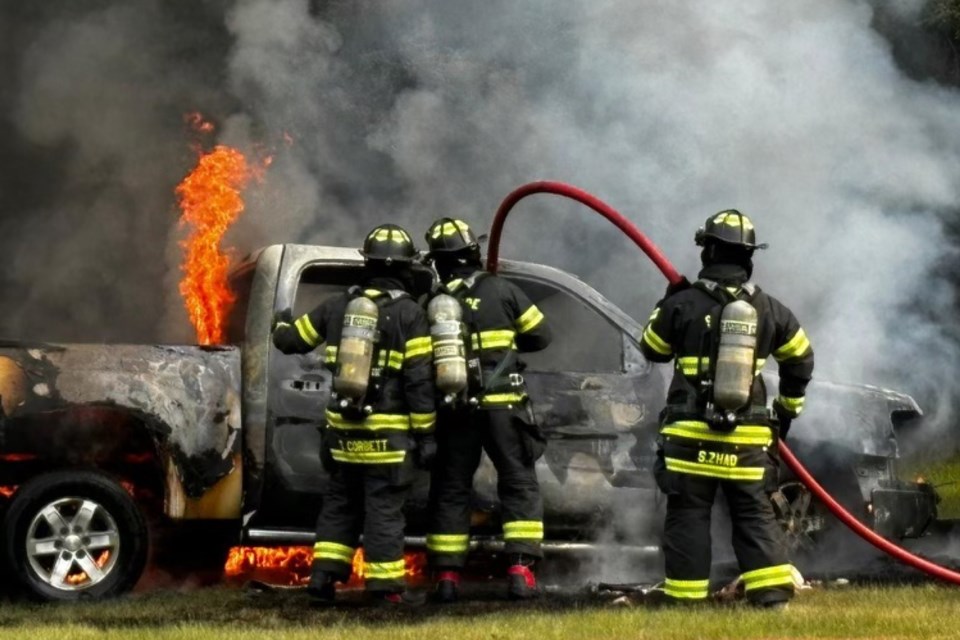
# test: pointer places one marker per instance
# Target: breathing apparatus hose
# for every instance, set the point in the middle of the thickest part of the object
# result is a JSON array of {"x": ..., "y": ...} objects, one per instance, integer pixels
[{"x": 674, "y": 277}]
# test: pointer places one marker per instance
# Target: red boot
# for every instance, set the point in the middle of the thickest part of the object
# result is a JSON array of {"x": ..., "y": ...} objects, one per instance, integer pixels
[
  {"x": 448, "y": 587},
  {"x": 523, "y": 583}
]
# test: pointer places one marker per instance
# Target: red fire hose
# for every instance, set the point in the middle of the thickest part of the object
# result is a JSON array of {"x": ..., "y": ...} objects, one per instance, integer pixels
[{"x": 654, "y": 253}]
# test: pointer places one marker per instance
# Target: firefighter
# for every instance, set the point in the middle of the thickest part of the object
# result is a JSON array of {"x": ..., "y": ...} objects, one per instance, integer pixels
[
  {"x": 492, "y": 414},
  {"x": 716, "y": 430},
  {"x": 380, "y": 418}
]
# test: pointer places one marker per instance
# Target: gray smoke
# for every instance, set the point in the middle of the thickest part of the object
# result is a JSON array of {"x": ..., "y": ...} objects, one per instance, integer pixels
[
  {"x": 93, "y": 144},
  {"x": 796, "y": 115}
]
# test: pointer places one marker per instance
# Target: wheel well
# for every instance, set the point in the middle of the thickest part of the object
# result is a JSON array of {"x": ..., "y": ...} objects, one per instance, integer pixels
[{"x": 102, "y": 438}]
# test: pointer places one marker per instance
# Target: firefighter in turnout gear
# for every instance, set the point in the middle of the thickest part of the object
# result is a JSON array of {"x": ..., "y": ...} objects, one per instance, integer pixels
[
  {"x": 380, "y": 419},
  {"x": 492, "y": 414},
  {"x": 716, "y": 430}
]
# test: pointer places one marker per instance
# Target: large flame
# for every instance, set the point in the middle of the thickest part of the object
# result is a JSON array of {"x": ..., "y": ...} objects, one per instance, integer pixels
[
  {"x": 210, "y": 201},
  {"x": 291, "y": 565}
]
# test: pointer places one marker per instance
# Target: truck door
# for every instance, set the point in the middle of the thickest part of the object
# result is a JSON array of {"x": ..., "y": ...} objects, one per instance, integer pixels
[
  {"x": 299, "y": 389},
  {"x": 595, "y": 398}
]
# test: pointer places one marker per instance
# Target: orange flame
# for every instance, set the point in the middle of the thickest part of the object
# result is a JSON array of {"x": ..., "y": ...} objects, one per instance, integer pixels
[
  {"x": 18, "y": 457},
  {"x": 210, "y": 201},
  {"x": 81, "y": 577},
  {"x": 7, "y": 492},
  {"x": 291, "y": 565},
  {"x": 198, "y": 123}
]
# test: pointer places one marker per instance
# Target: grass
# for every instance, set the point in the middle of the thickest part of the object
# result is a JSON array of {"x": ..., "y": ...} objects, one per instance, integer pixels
[
  {"x": 236, "y": 614},
  {"x": 942, "y": 474}
]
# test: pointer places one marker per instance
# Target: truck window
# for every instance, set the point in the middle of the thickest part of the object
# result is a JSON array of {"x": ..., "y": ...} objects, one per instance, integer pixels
[
  {"x": 583, "y": 340},
  {"x": 319, "y": 282}
]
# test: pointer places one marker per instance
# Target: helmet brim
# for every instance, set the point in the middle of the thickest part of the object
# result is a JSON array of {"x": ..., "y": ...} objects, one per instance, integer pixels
[{"x": 701, "y": 237}]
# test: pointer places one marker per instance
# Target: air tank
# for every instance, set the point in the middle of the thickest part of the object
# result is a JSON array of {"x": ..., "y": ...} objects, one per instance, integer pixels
[
  {"x": 355, "y": 353},
  {"x": 734, "y": 373},
  {"x": 449, "y": 353}
]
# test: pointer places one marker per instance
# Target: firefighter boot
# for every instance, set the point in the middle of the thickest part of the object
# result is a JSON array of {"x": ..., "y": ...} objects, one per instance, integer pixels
[
  {"x": 448, "y": 586},
  {"x": 523, "y": 583},
  {"x": 321, "y": 587}
]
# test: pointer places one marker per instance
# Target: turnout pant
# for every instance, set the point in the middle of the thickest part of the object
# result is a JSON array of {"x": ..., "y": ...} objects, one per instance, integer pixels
[
  {"x": 462, "y": 434},
  {"x": 364, "y": 499},
  {"x": 758, "y": 539}
]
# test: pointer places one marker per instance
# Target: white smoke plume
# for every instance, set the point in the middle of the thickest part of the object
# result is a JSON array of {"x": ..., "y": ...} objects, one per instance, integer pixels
[
  {"x": 796, "y": 115},
  {"x": 407, "y": 111}
]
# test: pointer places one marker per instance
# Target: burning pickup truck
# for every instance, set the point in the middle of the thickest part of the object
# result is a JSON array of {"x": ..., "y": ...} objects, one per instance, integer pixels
[{"x": 104, "y": 447}]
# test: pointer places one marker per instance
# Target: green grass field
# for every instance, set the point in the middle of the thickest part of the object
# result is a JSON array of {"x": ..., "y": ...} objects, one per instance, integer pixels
[
  {"x": 942, "y": 474},
  {"x": 236, "y": 614}
]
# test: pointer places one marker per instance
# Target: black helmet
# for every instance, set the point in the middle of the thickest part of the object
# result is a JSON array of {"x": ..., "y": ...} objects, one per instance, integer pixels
[
  {"x": 729, "y": 227},
  {"x": 447, "y": 235},
  {"x": 389, "y": 243}
]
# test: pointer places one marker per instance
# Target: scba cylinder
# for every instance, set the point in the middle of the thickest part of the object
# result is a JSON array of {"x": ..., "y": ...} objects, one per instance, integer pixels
[
  {"x": 355, "y": 354},
  {"x": 733, "y": 379},
  {"x": 449, "y": 352}
]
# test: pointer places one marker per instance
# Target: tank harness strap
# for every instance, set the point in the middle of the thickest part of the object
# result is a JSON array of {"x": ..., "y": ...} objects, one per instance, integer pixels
[{"x": 709, "y": 344}]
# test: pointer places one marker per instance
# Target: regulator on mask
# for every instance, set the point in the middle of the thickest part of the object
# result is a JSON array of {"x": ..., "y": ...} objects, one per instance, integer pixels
[
  {"x": 355, "y": 355},
  {"x": 449, "y": 352},
  {"x": 733, "y": 374}
]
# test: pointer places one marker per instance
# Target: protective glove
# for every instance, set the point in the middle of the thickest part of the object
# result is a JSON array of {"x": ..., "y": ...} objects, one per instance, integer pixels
[
  {"x": 284, "y": 316},
  {"x": 784, "y": 417},
  {"x": 426, "y": 451},
  {"x": 678, "y": 287}
]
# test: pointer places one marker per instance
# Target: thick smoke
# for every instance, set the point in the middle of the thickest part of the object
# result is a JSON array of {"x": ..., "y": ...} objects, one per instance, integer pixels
[
  {"x": 796, "y": 115},
  {"x": 91, "y": 117},
  {"x": 406, "y": 111}
]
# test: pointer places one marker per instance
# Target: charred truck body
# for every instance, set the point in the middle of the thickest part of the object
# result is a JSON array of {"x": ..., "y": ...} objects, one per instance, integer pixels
[{"x": 105, "y": 446}]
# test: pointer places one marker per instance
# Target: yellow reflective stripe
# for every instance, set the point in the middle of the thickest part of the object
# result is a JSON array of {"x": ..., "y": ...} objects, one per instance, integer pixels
[
  {"x": 448, "y": 543},
  {"x": 423, "y": 420},
  {"x": 384, "y": 570},
  {"x": 529, "y": 319},
  {"x": 306, "y": 331},
  {"x": 714, "y": 470},
  {"x": 333, "y": 551},
  {"x": 449, "y": 228},
  {"x": 655, "y": 342},
  {"x": 523, "y": 530},
  {"x": 733, "y": 220},
  {"x": 494, "y": 339},
  {"x": 775, "y": 576},
  {"x": 454, "y": 284},
  {"x": 502, "y": 398},
  {"x": 418, "y": 347},
  {"x": 744, "y": 434},
  {"x": 796, "y": 346},
  {"x": 691, "y": 589},
  {"x": 793, "y": 405},
  {"x": 688, "y": 365},
  {"x": 330, "y": 354},
  {"x": 391, "y": 359},
  {"x": 373, "y": 422},
  {"x": 368, "y": 457}
]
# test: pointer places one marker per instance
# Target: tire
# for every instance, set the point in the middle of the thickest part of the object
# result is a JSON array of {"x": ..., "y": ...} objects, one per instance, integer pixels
[{"x": 71, "y": 535}]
